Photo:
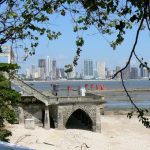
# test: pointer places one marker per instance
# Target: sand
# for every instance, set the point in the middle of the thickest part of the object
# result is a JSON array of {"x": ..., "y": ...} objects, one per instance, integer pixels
[{"x": 117, "y": 133}]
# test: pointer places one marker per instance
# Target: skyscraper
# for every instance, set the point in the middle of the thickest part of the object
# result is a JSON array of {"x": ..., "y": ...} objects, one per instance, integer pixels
[
  {"x": 141, "y": 72},
  {"x": 88, "y": 69},
  {"x": 100, "y": 68},
  {"x": 134, "y": 73},
  {"x": 126, "y": 72},
  {"x": 33, "y": 71},
  {"x": 42, "y": 68},
  {"x": 54, "y": 69},
  {"x": 48, "y": 66},
  {"x": 145, "y": 72},
  {"x": 28, "y": 73},
  {"x": 118, "y": 75}
]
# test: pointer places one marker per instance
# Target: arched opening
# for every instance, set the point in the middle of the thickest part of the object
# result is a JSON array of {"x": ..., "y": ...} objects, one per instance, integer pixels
[
  {"x": 79, "y": 120},
  {"x": 52, "y": 124}
]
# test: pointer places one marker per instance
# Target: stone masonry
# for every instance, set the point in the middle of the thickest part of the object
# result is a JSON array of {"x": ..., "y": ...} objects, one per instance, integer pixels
[
  {"x": 57, "y": 111},
  {"x": 58, "y": 115}
]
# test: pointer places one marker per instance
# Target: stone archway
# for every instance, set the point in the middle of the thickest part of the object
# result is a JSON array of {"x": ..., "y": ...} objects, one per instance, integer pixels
[{"x": 79, "y": 119}]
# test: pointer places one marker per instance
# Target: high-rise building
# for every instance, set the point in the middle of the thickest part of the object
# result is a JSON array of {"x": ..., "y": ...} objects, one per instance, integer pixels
[
  {"x": 33, "y": 71},
  {"x": 36, "y": 75},
  {"x": 58, "y": 73},
  {"x": 28, "y": 73},
  {"x": 42, "y": 63},
  {"x": 88, "y": 69},
  {"x": 101, "y": 70},
  {"x": 141, "y": 72},
  {"x": 117, "y": 69},
  {"x": 54, "y": 69},
  {"x": 42, "y": 68},
  {"x": 48, "y": 66},
  {"x": 126, "y": 72},
  {"x": 134, "y": 73},
  {"x": 144, "y": 73},
  {"x": 62, "y": 72}
]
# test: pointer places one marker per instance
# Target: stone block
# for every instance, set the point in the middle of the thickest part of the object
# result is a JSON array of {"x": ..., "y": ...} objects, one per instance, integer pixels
[{"x": 29, "y": 123}]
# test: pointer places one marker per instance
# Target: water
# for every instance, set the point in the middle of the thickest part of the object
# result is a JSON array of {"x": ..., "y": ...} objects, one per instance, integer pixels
[
  {"x": 114, "y": 99},
  {"x": 110, "y": 84}
]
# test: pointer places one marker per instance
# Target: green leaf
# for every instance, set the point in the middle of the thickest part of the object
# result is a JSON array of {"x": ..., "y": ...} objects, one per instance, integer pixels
[
  {"x": 80, "y": 41},
  {"x": 75, "y": 29},
  {"x": 63, "y": 13}
]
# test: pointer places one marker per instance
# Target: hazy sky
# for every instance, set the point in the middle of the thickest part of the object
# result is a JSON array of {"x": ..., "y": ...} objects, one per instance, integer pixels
[{"x": 96, "y": 46}]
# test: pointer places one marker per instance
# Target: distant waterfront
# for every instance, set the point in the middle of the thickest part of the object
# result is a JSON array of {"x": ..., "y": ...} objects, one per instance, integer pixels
[
  {"x": 111, "y": 84},
  {"x": 115, "y": 100}
]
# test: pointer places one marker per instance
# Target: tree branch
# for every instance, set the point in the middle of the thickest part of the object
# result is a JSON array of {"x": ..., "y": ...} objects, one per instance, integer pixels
[
  {"x": 145, "y": 121},
  {"x": 147, "y": 24},
  {"x": 2, "y": 1},
  {"x": 140, "y": 61},
  {"x": 128, "y": 93},
  {"x": 133, "y": 49}
]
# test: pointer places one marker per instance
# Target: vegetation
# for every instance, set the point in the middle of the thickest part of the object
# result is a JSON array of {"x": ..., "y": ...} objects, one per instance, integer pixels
[
  {"x": 8, "y": 99},
  {"x": 22, "y": 21}
]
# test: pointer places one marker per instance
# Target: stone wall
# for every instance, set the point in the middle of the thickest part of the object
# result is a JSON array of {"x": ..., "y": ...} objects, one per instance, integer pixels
[
  {"x": 53, "y": 113},
  {"x": 60, "y": 113},
  {"x": 34, "y": 111},
  {"x": 65, "y": 111}
]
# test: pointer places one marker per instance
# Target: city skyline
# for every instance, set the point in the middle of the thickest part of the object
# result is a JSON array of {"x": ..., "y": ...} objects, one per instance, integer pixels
[
  {"x": 48, "y": 70},
  {"x": 79, "y": 67},
  {"x": 96, "y": 46}
]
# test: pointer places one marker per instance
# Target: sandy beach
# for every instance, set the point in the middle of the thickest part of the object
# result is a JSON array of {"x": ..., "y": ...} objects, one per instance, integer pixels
[{"x": 117, "y": 133}]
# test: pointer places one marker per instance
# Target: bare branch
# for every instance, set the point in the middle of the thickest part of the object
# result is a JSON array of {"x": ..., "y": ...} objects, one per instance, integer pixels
[
  {"x": 140, "y": 61},
  {"x": 140, "y": 112},
  {"x": 2, "y": 1},
  {"x": 147, "y": 24},
  {"x": 133, "y": 49},
  {"x": 128, "y": 92}
]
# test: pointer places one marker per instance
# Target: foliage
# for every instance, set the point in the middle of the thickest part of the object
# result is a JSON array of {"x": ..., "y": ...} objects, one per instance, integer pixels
[
  {"x": 28, "y": 19},
  {"x": 8, "y": 99},
  {"x": 4, "y": 134}
]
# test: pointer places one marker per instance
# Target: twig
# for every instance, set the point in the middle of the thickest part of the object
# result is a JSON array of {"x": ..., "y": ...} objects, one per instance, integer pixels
[
  {"x": 48, "y": 143},
  {"x": 140, "y": 61},
  {"x": 83, "y": 144},
  {"x": 21, "y": 138}
]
